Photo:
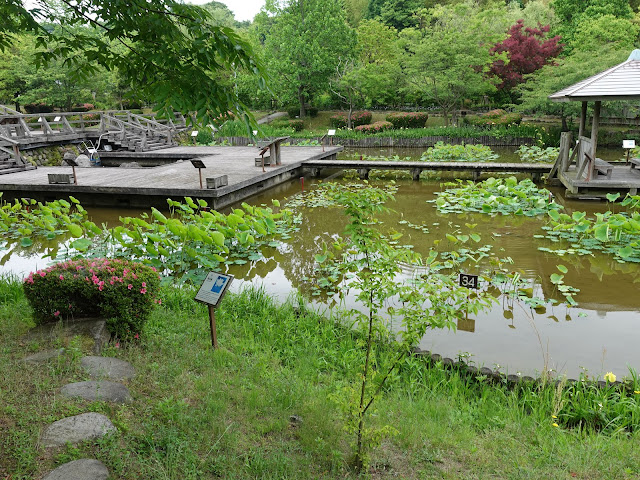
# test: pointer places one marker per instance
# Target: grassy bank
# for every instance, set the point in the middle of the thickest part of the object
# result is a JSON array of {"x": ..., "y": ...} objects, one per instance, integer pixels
[{"x": 200, "y": 414}]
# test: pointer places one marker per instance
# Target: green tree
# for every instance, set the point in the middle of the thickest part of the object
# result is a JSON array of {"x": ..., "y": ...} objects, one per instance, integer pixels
[
  {"x": 302, "y": 46},
  {"x": 549, "y": 79},
  {"x": 446, "y": 61},
  {"x": 170, "y": 52},
  {"x": 399, "y": 14}
]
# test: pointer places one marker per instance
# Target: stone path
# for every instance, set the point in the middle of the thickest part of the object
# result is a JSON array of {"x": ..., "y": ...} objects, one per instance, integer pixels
[
  {"x": 84, "y": 469},
  {"x": 103, "y": 390},
  {"x": 78, "y": 428},
  {"x": 106, "y": 371}
]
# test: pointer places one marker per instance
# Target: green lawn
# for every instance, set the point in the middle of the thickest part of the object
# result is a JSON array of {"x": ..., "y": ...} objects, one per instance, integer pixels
[{"x": 204, "y": 414}]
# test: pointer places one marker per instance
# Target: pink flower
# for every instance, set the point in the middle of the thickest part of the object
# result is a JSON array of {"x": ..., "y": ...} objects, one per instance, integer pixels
[
  {"x": 129, "y": 286},
  {"x": 61, "y": 277},
  {"x": 42, "y": 274},
  {"x": 100, "y": 288},
  {"x": 117, "y": 345},
  {"x": 144, "y": 284},
  {"x": 56, "y": 313},
  {"x": 111, "y": 282},
  {"x": 143, "y": 291},
  {"x": 136, "y": 336}
]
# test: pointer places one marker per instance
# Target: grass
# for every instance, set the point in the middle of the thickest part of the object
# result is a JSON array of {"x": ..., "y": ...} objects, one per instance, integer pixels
[{"x": 203, "y": 414}]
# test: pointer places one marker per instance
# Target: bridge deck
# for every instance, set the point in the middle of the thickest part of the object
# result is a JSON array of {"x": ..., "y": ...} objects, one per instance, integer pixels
[{"x": 142, "y": 187}]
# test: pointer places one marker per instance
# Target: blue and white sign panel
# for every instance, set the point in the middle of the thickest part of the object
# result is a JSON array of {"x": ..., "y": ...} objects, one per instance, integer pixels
[{"x": 213, "y": 288}]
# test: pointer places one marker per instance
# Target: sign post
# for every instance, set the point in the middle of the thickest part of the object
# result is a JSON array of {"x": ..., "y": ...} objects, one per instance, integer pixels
[
  {"x": 211, "y": 292},
  {"x": 628, "y": 145},
  {"x": 199, "y": 165},
  {"x": 469, "y": 282}
]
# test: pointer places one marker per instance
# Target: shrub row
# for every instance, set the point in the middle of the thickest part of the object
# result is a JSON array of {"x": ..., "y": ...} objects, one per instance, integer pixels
[
  {"x": 374, "y": 127},
  {"x": 38, "y": 108},
  {"x": 121, "y": 291},
  {"x": 339, "y": 120},
  {"x": 408, "y": 119},
  {"x": 296, "y": 124}
]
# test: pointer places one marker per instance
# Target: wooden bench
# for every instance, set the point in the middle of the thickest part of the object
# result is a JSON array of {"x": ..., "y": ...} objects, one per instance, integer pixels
[
  {"x": 217, "y": 181},
  {"x": 635, "y": 162},
  {"x": 603, "y": 168},
  {"x": 274, "y": 150},
  {"x": 56, "y": 178}
]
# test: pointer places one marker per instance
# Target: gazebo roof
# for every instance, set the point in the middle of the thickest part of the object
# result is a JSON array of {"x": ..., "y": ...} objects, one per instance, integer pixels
[{"x": 621, "y": 82}]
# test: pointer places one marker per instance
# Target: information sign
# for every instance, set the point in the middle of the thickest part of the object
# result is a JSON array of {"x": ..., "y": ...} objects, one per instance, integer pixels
[
  {"x": 213, "y": 288},
  {"x": 211, "y": 292},
  {"x": 628, "y": 144},
  {"x": 469, "y": 281}
]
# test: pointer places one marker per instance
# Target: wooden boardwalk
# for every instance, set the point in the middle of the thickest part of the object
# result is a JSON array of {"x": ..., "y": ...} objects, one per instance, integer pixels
[
  {"x": 144, "y": 187},
  {"x": 416, "y": 168}
]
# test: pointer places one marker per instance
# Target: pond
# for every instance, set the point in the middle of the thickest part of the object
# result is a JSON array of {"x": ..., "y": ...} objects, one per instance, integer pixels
[{"x": 597, "y": 335}]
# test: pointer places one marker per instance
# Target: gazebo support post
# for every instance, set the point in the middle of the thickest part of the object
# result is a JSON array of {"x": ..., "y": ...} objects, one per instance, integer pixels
[
  {"x": 594, "y": 128},
  {"x": 583, "y": 119}
]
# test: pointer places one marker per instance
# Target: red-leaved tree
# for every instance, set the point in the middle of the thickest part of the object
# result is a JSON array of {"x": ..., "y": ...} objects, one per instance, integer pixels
[{"x": 526, "y": 52}]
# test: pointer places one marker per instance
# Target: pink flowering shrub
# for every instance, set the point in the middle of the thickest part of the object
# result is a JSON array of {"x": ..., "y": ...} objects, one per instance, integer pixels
[
  {"x": 374, "y": 127},
  {"x": 408, "y": 119},
  {"x": 123, "y": 292}
]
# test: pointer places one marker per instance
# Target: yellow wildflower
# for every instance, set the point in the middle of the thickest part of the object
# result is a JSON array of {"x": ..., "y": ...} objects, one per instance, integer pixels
[
  {"x": 555, "y": 424},
  {"x": 610, "y": 377},
  {"x": 553, "y": 416},
  {"x": 637, "y": 392}
]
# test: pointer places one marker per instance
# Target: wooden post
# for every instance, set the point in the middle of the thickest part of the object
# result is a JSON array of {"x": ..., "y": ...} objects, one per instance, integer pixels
[
  {"x": 594, "y": 129},
  {"x": 212, "y": 321},
  {"x": 75, "y": 179},
  {"x": 583, "y": 119},
  {"x": 200, "y": 174}
]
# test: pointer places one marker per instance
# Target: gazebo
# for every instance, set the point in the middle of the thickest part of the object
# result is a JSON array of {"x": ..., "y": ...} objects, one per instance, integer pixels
[{"x": 621, "y": 82}]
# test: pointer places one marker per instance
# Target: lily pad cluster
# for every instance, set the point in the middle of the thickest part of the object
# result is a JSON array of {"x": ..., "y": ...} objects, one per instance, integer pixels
[
  {"x": 187, "y": 242},
  {"x": 616, "y": 234},
  {"x": 445, "y": 152},
  {"x": 504, "y": 196}
]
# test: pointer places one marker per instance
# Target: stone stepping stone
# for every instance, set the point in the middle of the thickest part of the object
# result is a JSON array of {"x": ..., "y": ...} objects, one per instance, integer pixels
[
  {"x": 101, "y": 390},
  {"x": 83, "y": 469},
  {"x": 107, "y": 367},
  {"x": 78, "y": 428},
  {"x": 94, "y": 328},
  {"x": 42, "y": 357}
]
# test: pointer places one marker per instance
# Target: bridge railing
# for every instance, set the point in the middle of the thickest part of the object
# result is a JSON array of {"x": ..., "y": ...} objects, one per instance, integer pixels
[
  {"x": 33, "y": 126},
  {"x": 11, "y": 148}
]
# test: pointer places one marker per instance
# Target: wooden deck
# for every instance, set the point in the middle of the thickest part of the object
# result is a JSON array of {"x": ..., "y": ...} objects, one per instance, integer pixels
[
  {"x": 624, "y": 179},
  {"x": 151, "y": 186}
]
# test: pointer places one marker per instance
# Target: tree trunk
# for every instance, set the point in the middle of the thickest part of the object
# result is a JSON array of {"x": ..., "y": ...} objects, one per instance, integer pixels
[
  {"x": 303, "y": 112},
  {"x": 445, "y": 114},
  {"x": 349, "y": 124}
]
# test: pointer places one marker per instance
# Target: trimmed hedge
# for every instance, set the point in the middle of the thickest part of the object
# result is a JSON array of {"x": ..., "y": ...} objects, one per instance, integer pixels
[
  {"x": 82, "y": 107},
  {"x": 121, "y": 291},
  {"x": 358, "y": 118},
  {"x": 374, "y": 127},
  {"x": 38, "y": 108},
  {"x": 297, "y": 124},
  {"x": 408, "y": 119}
]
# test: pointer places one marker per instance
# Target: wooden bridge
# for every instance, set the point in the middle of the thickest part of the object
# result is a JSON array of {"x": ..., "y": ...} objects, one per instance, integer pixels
[
  {"x": 120, "y": 128},
  {"x": 364, "y": 167}
]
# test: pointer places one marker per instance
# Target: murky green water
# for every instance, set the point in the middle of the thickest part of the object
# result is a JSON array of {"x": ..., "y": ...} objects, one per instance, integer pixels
[{"x": 599, "y": 335}]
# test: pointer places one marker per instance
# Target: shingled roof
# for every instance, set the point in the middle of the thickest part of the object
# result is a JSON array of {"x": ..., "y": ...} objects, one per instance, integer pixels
[{"x": 621, "y": 82}]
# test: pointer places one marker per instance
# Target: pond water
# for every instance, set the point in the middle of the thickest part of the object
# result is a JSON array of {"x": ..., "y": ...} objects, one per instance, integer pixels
[{"x": 598, "y": 335}]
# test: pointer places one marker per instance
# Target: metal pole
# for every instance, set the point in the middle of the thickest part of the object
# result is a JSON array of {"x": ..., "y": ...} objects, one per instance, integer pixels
[{"x": 212, "y": 321}]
